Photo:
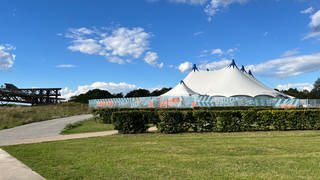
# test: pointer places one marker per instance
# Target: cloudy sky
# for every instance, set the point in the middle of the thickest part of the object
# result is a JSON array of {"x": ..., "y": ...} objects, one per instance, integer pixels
[{"x": 121, "y": 45}]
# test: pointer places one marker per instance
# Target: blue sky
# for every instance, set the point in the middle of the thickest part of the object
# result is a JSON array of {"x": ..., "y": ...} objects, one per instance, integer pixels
[{"x": 121, "y": 45}]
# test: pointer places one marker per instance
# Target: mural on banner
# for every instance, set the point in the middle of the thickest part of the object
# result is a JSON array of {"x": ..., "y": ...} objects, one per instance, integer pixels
[{"x": 199, "y": 101}]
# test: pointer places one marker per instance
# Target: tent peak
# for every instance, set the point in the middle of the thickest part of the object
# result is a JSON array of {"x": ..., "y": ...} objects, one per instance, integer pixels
[
  {"x": 194, "y": 68},
  {"x": 243, "y": 69},
  {"x": 250, "y": 73},
  {"x": 233, "y": 64}
]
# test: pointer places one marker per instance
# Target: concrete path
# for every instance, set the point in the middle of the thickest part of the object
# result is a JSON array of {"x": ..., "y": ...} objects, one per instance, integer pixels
[
  {"x": 12, "y": 169},
  {"x": 62, "y": 137},
  {"x": 39, "y": 131}
]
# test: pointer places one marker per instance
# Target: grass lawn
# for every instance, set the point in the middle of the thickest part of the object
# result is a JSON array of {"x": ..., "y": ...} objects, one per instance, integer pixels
[
  {"x": 248, "y": 155},
  {"x": 87, "y": 126},
  {"x": 11, "y": 116}
]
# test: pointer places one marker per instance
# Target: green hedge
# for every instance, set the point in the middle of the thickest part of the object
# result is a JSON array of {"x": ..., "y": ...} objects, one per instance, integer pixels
[
  {"x": 130, "y": 122},
  {"x": 212, "y": 120},
  {"x": 173, "y": 122}
]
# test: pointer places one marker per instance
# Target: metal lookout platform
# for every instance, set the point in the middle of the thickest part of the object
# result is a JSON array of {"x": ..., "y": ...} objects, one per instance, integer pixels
[{"x": 33, "y": 96}]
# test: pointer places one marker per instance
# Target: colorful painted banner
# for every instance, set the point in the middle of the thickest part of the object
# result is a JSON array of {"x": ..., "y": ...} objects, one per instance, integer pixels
[{"x": 200, "y": 101}]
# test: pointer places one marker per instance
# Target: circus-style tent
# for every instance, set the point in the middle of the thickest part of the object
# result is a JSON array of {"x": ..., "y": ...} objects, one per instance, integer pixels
[{"x": 227, "y": 82}]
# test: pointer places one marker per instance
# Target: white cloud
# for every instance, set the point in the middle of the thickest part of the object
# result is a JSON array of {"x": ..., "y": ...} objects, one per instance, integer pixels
[
  {"x": 109, "y": 86},
  {"x": 288, "y": 66},
  {"x": 160, "y": 65},
  {"x": 229, "y": 53},
  {"x": 299, "y": 86},
  {"x": 7, "y": 58},
  {"x": 152, "y": 59},
  {"x": 79, "y": 33},
  {"x": 198, "y": 33},
  {"x": 65, "y": 66},
  {"x": 314, "y": 25},
  {"x": 290, "y": 52},
  {"x": 315, "y": 20},
  {"x": 215, "y": 65},
  {"x": 183, "y": 67},
  {"x": 127, "y": 42},
  {"x": 116, "y": 59},
  {"x": 191, "y": 2},
  {"x": 211, "y": 7},
  {"x": 86, "y": 46},
  {"x": 217, "y": 51},
  {"x": 307, "y": 11},
  {"x": 215, "y": 6},
  {"x": 118, "y": 45}
]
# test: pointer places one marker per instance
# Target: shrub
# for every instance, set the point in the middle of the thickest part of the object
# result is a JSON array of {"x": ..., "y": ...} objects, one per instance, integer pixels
[
  {"x": 228, "y": 121},
  {"x": 212, "y": 120},
  {"x": 205, "y": 121},
  {"x": 70, "y": 126},
  {"x": 172, "y": 122},
  {"x": 103, "y": 114},
  {"x": 249, "y": 120},
  {"x": 150, "y": 116},
  {"x": 129, "y": 122},
  {"x": 264, "y": 120}
]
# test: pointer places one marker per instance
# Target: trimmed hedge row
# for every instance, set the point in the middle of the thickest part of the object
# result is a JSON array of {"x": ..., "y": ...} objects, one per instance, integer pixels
[
  {"x": 186, "y": 120},
  {"x": 104, "y": 114},
  {"x": 131, "y": 122}
]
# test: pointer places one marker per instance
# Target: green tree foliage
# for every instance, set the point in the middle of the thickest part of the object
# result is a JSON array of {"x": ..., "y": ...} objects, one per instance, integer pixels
[
  {"x": 305, "y": 94},
  {"x": 160, "y": 92},
  {"x": 316, "y": 85},
  {"x": 138, "y": 93},
  {"x": 102, "y": 94},
  {"x": 297, "y": 94},
  {"x": 92, "y": 94}
]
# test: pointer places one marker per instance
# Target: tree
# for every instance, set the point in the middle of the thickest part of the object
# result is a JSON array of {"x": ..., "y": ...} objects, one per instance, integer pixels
[
  {"x": 118, "y": 95},
  {"x": 138, "y": 93},
  {"x": 305, "y": 94},
  {"x": 160, "y": 92},
  {"x": 92, "y": 94},
  {"x": 316, "y": 86}
]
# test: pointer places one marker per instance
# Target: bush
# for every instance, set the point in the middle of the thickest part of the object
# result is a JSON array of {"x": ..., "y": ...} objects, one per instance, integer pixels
[
  {"x": 172, "y": 122},
  {"x": 129, "y": 122},
  {"x": 205, "y": 121},
  {"x": 212, "y": 120},
  {"x": 103, "y": 114},
  {"x": 264, "y": 120},
  {"x": 249, "y": 120},
  {"x": 150, "y": 116}
]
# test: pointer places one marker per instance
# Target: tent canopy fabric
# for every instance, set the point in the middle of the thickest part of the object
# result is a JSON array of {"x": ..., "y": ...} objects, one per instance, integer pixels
[{"x": 227, "y": 82}]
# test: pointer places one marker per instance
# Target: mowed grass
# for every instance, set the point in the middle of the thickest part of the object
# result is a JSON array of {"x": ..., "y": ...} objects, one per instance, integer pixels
[
  {"x": 90, "y": 125},
  {"x": 248, "y": 155},
  {"x": 11, "y": 116}
]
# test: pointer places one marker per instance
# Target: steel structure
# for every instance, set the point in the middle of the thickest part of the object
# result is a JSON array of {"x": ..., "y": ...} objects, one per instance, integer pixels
[{"x": 34, "y": 96}]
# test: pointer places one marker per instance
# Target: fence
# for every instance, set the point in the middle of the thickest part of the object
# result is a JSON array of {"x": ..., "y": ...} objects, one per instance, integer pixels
[{"x": 200, "y": 101}]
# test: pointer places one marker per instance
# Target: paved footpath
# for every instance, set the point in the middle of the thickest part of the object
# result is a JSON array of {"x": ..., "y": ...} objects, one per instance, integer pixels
[
  {"x": 13, "y": 169},
  {"x": 37, "y": 130}
]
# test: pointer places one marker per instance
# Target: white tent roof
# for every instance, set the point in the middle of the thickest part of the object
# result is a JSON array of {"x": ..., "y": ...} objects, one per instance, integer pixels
[
  {"x": 181, "y": 90},
  {"x": 226, "y": 82}
]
